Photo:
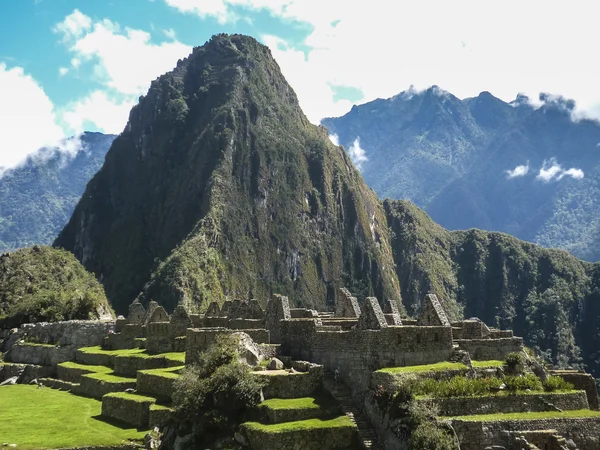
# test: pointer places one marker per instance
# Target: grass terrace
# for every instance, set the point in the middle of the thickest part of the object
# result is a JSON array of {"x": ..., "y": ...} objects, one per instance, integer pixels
[
  {"x": 138, "y": 398},
  {"x": 100, "y": 351},
  {"x": 437, "y": 367},
  {"x": 169, "y": 372},
  {"x": 109, "y": 377},
  {"x": 291, "y": 403},
  {"x": 47, "y": 418},
  {"x": 77, "y": 366},
  {"x": 573, "y": 414},
  {"x": 488, "y": 364},
  {"x": 310, "y": 424}
]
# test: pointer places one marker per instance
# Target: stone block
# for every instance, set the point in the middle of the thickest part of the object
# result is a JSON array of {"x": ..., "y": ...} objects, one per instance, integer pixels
[
  {"x": 432, "y": 313},
  {"x": 128, "y": 408},
  {"x": 346, "y": 305},
  {"x": 372, "y": 317}
]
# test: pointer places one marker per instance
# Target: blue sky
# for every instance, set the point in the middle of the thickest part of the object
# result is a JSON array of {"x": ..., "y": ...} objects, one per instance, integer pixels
[{"x": 73, "y": 65}]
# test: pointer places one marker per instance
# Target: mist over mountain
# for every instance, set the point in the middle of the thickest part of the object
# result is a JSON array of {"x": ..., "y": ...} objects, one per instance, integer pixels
[
  {"x": 38, "y": 196},
  {"x": 532, "y": 172}
]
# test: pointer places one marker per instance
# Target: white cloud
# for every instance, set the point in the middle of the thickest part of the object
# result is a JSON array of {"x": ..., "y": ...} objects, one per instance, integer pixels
[
  {"x": 335, "y": 139},
  {"x": 62, "y": 71},
  {"x": 518, "y": 171},
  {"x": 551, "y": 170},
  {"x": 170, "y": 33},
  {"x": 107, "y": 113},
  {"x": 74, "y": 25},
  {"x": 123, "y": 61},
  {"x": 382, "y": 47},
  {"x": 27, "y": 117},
  {"x": 575, "y": 173},
  {"x": 357, "y": 154}
]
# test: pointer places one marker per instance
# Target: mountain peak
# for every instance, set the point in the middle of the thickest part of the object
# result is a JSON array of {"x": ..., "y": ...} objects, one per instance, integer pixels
[{"x": 219, "y": 186}]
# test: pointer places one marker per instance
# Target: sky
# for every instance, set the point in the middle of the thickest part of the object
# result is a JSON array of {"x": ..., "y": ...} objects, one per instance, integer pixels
[{"x": 72, "y": 65}]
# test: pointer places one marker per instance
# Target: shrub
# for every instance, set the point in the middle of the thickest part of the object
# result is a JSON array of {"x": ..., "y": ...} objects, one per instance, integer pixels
[
  {"x": 554, "y": 383},
  {"x": 523, "y": 382},
  {"x": 430, "y": 436},
  {"x": 213, "y": 397},
  {"x": 457, "y": 387},
  {"x": 515, "y": 362}
]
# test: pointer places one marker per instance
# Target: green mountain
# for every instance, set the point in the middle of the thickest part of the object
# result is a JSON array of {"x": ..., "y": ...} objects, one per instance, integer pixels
[
  {"x": 483, "y": 163},
  {"x": 46, "y": 284},
  {"x": 219, "y": 186},
  {"x": 38, "y": 197}
]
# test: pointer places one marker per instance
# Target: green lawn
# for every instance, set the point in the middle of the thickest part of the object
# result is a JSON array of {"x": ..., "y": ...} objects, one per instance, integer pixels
[
  {"x": 47, "y": 418},
  {"x": 491, "y": 364},
  {"x": 99, "y": 350},
  {"x": 338, "y": 422},
  {"x": 97, "y": 369},
  {"x": 291, "y": 403},
  {"x": 131, "y": 397},
  {"x": 574, "y": 414},
  {"x": 169, "y": 372},
  {"x": 441, "y": 366}
]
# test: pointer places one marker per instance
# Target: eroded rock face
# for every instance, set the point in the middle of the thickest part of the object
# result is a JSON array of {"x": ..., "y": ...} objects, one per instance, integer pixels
[{"x": 248, "y": 350}]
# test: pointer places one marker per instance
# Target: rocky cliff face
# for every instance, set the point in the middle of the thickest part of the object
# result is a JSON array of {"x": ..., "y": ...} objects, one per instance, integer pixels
[{"x": 219, "y": 186}]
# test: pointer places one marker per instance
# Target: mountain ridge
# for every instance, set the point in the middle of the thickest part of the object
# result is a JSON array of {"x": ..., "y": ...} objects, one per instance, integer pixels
[
  {"x": 457, "y": 163},
  {"x": 38, "y": 196}
]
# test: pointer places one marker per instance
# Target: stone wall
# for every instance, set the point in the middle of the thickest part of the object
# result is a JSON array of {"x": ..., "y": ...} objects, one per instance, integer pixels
[
  {"x": 39, "y": 354},
  {"x": 357, "y": 353},
  {"x": 134, "y": 411},
  {"x": 457, "y": 406},
  {"x": 284, "y": 384},
  {"x": 71, "y": 334},
  {"x": 581, "y": 380},
  {"x": 585, "y": 432},
  {"x": 487, "y": 349},
  {"x": 155, "y": 384},
  {"x": 199, "y": 339},
  {"x": 24, "y": 372}
]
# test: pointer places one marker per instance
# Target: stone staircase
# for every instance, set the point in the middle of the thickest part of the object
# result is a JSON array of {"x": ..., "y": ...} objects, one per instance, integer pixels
[{"x": 341, "y": 393}]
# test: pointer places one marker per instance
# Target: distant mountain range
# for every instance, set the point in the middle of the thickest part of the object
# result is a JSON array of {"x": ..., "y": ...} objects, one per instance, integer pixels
[
  {"x": 532, "y": 172},
  {"x": 37, "y": 198}
]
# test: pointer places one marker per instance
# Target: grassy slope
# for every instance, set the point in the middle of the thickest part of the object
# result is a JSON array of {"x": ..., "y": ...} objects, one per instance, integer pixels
[
  {"x": 46, "y": 284},
  {"x": 43, "y": 418}
]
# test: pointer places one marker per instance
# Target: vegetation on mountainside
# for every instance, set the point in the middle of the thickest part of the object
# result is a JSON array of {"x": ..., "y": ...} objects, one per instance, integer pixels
[
  {"x": 547, "y": 296},
  {"x": 38, "y": 197},
  {"x": 220, "y": 186},
  {"x": 45, "y": 284},
  {"x": 214, "y": 396},
  {"x": 36, "y": 418}
]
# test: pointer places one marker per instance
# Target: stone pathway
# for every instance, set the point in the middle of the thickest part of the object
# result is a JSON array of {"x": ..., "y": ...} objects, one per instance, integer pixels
[{"x": 366, "y": 434}]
